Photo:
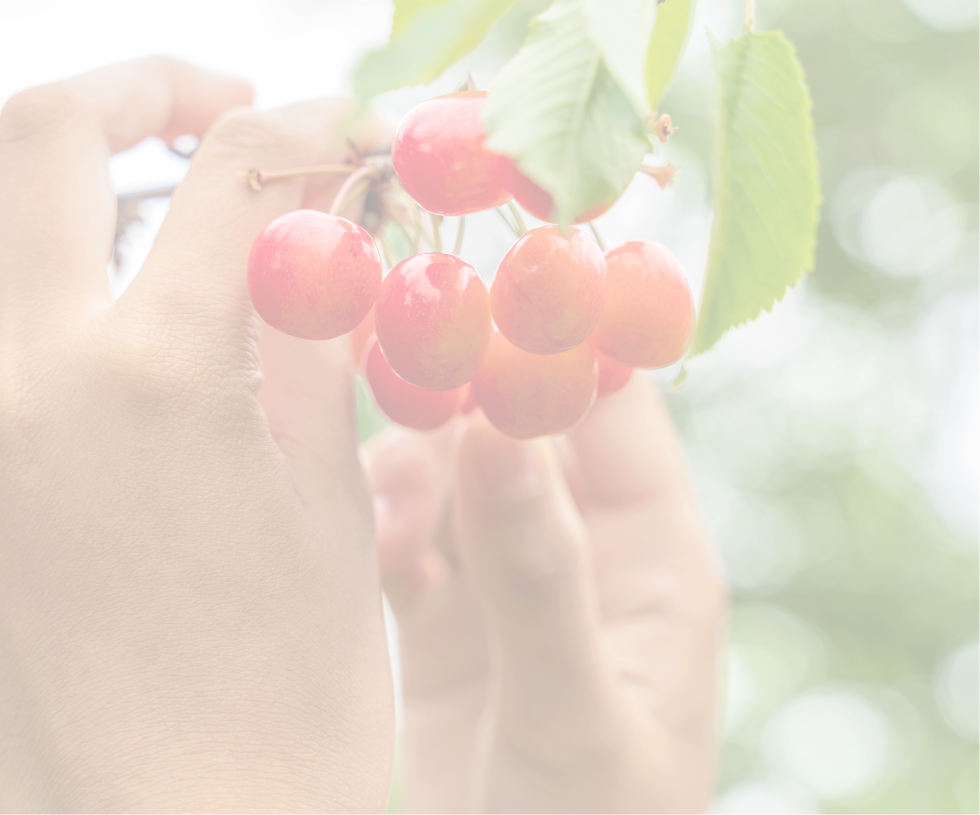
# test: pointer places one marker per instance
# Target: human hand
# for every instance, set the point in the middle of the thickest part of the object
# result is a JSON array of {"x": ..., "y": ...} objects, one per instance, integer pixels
[
  {"x": 560, "y": 616},
  {"x": 190, "y": 617}
]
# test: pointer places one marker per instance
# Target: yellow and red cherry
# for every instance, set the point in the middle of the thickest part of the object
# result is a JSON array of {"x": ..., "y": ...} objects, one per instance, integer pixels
[
  {"x": 432, "y": 318},
  {"x": 401, "y": 401},
  {"x": 549, "y": 290},
  {"x": 527, "y": 395},
  {"x": 440, "y": 158},
  {"x": 649, "y": 320},
  {"x": 313, "y": 275}
]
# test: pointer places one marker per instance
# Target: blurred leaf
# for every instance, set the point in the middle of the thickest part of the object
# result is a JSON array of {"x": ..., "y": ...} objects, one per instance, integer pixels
[
  {"x": 768, "y": 196},
  {"x": 621, "y": 30},
  {"x": 669, "y": 35},
  {"x": 559, "y": 113},
  {"x": 406, "y": 9},
  {"x": 427, "y": 36}
]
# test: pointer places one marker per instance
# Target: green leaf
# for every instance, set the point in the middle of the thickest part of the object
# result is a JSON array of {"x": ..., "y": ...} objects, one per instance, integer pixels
[
  {"x": 621, "y": 30},
  {"x": 767, "y": 199},
  {"x": 406, "y": 9},
  {"x": 427, "y": 36},
  {"x": 669, "y": 35},
  {"x": 558, "y": 111}
]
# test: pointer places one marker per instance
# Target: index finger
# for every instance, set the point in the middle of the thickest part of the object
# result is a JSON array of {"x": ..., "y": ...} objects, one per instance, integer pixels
[{"x": 57, "y": 211}]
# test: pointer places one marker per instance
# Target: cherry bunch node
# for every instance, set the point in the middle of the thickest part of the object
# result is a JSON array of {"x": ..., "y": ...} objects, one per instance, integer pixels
[{"x": 561, "y": 324}]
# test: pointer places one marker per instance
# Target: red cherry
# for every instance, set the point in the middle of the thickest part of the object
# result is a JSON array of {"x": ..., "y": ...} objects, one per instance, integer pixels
[
  {"x": 313, "y": 275},
  {"x": 648, "y": 321},
  {"x": 549, "y": 290},
  {"x": 537, "y": 201},
  {"x": 613, "y": 375},
  {"x": 433, "y": 320},
  {"x": 404, "y": 403},
  {"x": 359, "y": 337},
  {"x": 526, "y": 395},
  {"x": 440, "y": 160}
]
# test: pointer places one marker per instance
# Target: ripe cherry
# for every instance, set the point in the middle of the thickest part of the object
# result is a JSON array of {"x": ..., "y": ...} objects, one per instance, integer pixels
[
  {"x": 537, "y": 201},
  {"x": 440, "y": 160},
  {"x": 613, "y": 375},
  {"x": 359, "y": 337},
  {"x": 313, "y": 275},
  {"x": 549, "y": 290},
  {"x": 404, "y": 403},
  {"x": 432, "y": 318},
  {"x": 526, "y": 395},
  {"x": 648, "y": 321}
]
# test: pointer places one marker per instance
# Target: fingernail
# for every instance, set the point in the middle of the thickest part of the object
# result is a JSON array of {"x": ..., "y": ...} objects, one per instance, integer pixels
[{"x": 509, "y": 471}]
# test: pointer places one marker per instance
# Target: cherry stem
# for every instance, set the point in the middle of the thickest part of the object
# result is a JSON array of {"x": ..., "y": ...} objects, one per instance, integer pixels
[
  {"x": 598, "y": 237},
  {"x": 436, "y": 237},
  {"x": 506, "y": 219},
  {"x": 458, "y": 247},
  {"x": 468, "y": 84},
  {"x": 256, "y": 178},
  {"x": 517, "y": 218},
  {"x": 351, "y": 188},
  {"x": 388, "y": 252},
  {"x": 750, "y": 14}
]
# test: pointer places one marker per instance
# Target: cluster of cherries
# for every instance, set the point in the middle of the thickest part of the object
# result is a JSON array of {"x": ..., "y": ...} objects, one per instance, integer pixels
[{"x": 560, "y": 325}]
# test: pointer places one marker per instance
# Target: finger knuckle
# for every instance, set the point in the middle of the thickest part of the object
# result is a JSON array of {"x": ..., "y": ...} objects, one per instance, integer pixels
[
  {"x": 542, "y": 561},
  {"x": 37, "y": 113},
  {"x": 245, "y": 133}
]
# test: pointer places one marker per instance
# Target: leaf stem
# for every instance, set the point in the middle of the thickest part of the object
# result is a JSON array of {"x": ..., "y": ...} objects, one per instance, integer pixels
[
  {"x": 436, "y": 237},
  {"x": 598, "y": 237},
  {"x": 458, "y": 247},
  {"x": 521, "y": 229}
]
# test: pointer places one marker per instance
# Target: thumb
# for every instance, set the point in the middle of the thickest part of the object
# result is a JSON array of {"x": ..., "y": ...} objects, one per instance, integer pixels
[{"x": 525, "y": 546}]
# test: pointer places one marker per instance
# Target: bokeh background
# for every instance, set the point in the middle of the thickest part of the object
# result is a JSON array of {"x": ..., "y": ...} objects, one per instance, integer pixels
[{"x": 833, "y": 442}]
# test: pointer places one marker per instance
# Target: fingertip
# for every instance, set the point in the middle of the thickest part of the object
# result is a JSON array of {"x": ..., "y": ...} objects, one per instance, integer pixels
[{"x": 496, "y": 469}]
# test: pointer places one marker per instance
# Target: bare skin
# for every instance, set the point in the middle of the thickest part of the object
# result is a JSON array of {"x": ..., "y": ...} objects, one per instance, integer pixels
[
  {"x": 560, "y": 614},
  {"x": 190, "y": 613}
]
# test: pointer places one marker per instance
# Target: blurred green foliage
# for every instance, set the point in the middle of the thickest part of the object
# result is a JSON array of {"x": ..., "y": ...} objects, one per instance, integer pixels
[{"x": 882, "y": 586}]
